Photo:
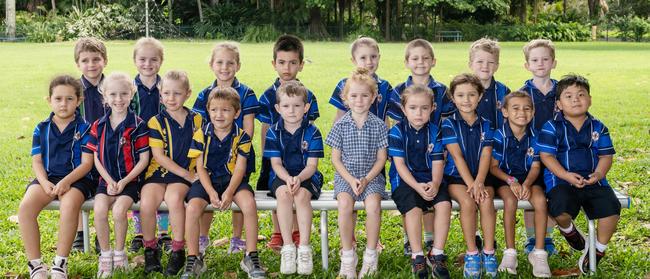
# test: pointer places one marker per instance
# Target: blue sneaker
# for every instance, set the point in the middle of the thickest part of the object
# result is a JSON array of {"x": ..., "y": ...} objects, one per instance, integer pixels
[
  {"x": 530, "y": 245},
  {"x": 472, "y": 268},
  {"x": 490, "y": 265},
  {"x": 549, "y": 246}
]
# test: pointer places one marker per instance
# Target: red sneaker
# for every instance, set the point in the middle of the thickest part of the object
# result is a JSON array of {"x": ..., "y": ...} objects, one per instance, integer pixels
[
  {"x": 296, "y": 237},
  {"x": 276, "y": 242}
]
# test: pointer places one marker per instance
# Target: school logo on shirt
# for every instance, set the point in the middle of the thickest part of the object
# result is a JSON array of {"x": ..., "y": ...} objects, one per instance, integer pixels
[
  {"x": 430, "y": 147},
  {"x": 304, "y": 145},
  {"x": 595, "y": 136},
  {"x": 77, "y": 136},
  {"x": 122, "y": 141},
  {"x": 499, "y": 105},
  {"x": 482, "y": 136},
  {"x": 530, "y": 152},
  {"x": 379, "y": 97}
]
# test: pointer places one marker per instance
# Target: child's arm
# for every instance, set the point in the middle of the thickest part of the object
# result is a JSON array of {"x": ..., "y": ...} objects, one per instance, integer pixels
[
  {"x": 405, "y": 174},
  {"x": 483, "y": 166},
  {"x": 235, "y": 181},
  {"x": 206, "y": 182},
  {"x": 103, "y": 172},
  {"x": 169, "y": 164},
  {"x": 41, "y": 175},
  {"x": 142, "y": 164},
  {"x": 249, "y": 124},
  {"x": 86, "y": 165},
  {"x": 437, "y": 168},
  {"x": 556, "y": 168},
  {"x": 280, "y": 171},
  {"x": 530, "y": 179},
  {"x": 461, "y": 165},
  {"x": 515, "y": 187},
  {"x": 604, "y": 164},
  {"x": 263, "y": 131}
]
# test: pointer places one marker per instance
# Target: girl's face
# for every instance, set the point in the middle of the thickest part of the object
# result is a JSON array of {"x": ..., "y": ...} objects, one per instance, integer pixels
[
  {"x": 359, "y": 97},
  {"x": 118, "y": 94},
  {"x": 225, "y": 65},
  {"x": 418, "y": 109},
  {"x": 420, "y": 61},
  {"x": 519, "y": 111},
  {"x": 63, "y": 101},
  {"x": 222, "y": 113},
  {"x": 174, "y": 94},
  {"x": 147, "y": 61},
  {"x": 466, "y": 97},
  {"x": 366, "y": 57},
  {"x": 484, "y": 65},
  {"x": 574, "y": 101}
]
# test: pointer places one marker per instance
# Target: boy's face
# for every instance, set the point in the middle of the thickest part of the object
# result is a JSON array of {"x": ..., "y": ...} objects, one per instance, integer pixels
[
  {"x": 148, "y": 61},
  {"x": 519, "y": 111},
  {"x": 63, "y": 101},
  {"x": 91, "y": 64},
  {"x": 287, "y": 64},
  {"x": 174, "y": 94},
  {"x": 466, "y": 97},
  {"x": 484, "y": 65},
  {"x": 118, "y": 96},
  {"x": 366, "y": 57},
  {"x": 417, "y": 109},
  {"x": 420, "y": 61},
  {"x": 291, "y": 108},
  {"x": 359, "y": 97},
  {"x": 225, "y": 65},
  {"x": 574, "y": 101},
  {"x": 222, "y": 113},
  {"x": 540, "y": 62}
]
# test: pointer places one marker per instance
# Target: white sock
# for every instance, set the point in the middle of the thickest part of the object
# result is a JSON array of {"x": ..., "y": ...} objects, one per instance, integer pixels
[
  {"x": 304, "y": 247},
  {"x": 415, "y": 254},
  {"x": 119, "y": 253},
  {"x": 108, "y": 253},
  {"x": 600, "y": 247},
  {"x": 566, "y": 230},
  {"x": 538, "y": 250},
  {"x": 371, "y": 251},
  {"x": 36, "y": 262},
  {"x": 436, "y": 251},
  {"x": 292, "y": 246},
  {"x": 348, "y": 253},
  {"x": 60, "y": 261}
]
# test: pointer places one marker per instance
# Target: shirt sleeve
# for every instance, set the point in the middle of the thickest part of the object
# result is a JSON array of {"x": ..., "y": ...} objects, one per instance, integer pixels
[
  {"x": 85, "y": 138},
  {"x": 488, "y": 135},
  {"x": 396, "y": 142},
  {"x": 271, "y": 146},
  {"x": 264, "y": 111},
  {"x": 250, "y": 105},
  {"x": 334, "y": 138},
  {"x": 394, "y": 110},
  {"x": 315, "y": 145},
  {"x": 605, "y": 146},
  {"x": 436, "y": 153},
  {"x": 535, "y": 148},
  {"x": 383, "y": 136},
  {"x": 244, "y": 145},
  {"x": 497, "y": 146},
  {"x": 336, "y": 99},
  {"x": 200, "y": 103},
  {"x": 448, "y": 107},
  {"x": 197, "y": 145},
  {"x": 547, "y": 141},
  {"x": 94, "y": 138},
  {"x": 448, "y": 132},
  {"x": 36, "y": 141},
  {"x": 141, "y": 140},
  {"x": 313, "y": 112},
  {"x": 155, "y": 133}
]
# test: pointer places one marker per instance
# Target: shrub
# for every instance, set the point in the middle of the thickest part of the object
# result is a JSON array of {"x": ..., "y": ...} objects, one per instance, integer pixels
[
  {"x": 111, "y": 21},
  {"x": 258, "y": 34},
  {"x": 631, "y": 27}
]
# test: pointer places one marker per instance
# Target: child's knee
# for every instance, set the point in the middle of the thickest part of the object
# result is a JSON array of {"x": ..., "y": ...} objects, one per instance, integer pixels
[{"x": 283, "y": 196}]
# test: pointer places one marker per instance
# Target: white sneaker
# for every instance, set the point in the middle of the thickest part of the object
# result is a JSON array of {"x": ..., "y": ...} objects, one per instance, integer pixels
[
  {"x": 38, "y": 271},
  {"x": 369, "y": 264},
  {"x": 120, "y": 261},
  {"x": 539, "y": 260},
  {"x": 105, "y": 266},
  {"x": 509, "y": 262},
  {"x": 59, "y": 270},
  {"x": 288, "y": 259},
  {"x": 305, "y": 261},
  {"x": 349, "y": 266}
]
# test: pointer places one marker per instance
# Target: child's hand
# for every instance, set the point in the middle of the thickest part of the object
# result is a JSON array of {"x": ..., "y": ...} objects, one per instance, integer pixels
[
  {"x": 479, "y": 192},
  {"x": 575, "y": 179},
  {"x": 61, "y": 188},
  {"x": 433, "y": 190},
  {"x": 593, "y": 178},
  {"x": 48, "y": 188},
  {"x": 189, "y": 176},
  {"x": 111, "y": 188},
  {"x": 363, "y": 183},
  {"x": 355, "y": 185},
  {"x": 226, "y": 200},
  {"x": 425, "y": 191},
  {"x": 294, "y": 184},
  {"x": 120, "y": 185},
  {"x": 214, "y": 199},
  {"x": 516, "y": 189}
]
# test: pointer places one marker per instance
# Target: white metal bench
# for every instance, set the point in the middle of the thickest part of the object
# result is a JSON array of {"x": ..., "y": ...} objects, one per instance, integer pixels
[
  {"x": 325, "y": 203},
  {"x": 454, "y": 35}
]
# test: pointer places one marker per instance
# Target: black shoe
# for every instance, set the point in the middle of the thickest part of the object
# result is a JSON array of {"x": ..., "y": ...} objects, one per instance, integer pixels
[
  {"x": 575, "y": 238},
  {"x": 438, "y": 266},
  {"x": 97, "y": 248},
  {"x": 407, "y": 249},
  {"x": 175, "y": 263},
  {"x": 137, "y": 243},
  {"x": 152, "y": 260},
  {"x": 78, "y": 244},
  {"x": 420, "y": 268},
  {"x": 193, "y": 268},
  {"x": 165, "y": 241},
  {"x": 583, "y": 262}
]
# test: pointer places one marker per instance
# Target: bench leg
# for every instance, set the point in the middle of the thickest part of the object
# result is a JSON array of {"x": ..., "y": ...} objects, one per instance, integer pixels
[
  {"x": 592, "y": 246},
  {"x": 84, "y": 220},
  {"x": 324, "y": 241}
]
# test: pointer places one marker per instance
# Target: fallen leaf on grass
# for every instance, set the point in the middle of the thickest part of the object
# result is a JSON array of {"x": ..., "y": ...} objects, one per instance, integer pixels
[
  {"x": 220, "y": 242},
  {"x": 261, "y": 238},
  {"x": 647, "y": 226},
  {"x": 230, "y": 275},
  {"x": 13, "y": 219},
  {"x": 460, "y": 259},
  {"x": 566, "y": 272},
  {"x": 12, "y": 275},
  {"x": 274, "y": 274},
  {"x": 647, "y": 276},
  {"x": 137, "y": 261},
  {"x": 394, "y": 213},
  {"x": 20, "y": 137}
]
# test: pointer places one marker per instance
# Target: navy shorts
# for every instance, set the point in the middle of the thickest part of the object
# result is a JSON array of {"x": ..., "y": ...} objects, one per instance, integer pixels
[
  {"x": 265, "y": 173},
  {"x": 309, "y": 185},
  {"x": 131, "y": 190},
  {"x": 158, "y": 177},
  {"x": 220, "y": 185},
  {"x": 597, "y": 201},
  {"x": 406, "y": 198},
  {"x": 85, "y": 185}
]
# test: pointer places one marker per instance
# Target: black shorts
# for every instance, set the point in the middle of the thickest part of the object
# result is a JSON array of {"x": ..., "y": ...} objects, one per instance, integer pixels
[
  {"x": 495, "y": 182},
  {"x": 309, "y": 185},
  {"x": 158, "y": 177},
  {"x": 84, "y": 185},
  {"x": 220, "y": 185},
  {"x": 448, "y": 179},
  {"x": 597, "y": 201},
  {"x": 265, "y": 173},
  {"x": 406, "y": 198},
  {"x": 131, "y": 190}
]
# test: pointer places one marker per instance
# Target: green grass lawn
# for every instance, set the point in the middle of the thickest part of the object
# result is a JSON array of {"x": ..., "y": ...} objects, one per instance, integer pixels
[{"x": 619, "y": 74}]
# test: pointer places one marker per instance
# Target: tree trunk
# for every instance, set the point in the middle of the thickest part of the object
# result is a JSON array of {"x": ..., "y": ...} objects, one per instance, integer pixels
[
  {"x": 198, "y": 3},
  {"x": 53, "y": 6},
  {"x": 350, "y": 21},
  {"x": 10, "y": 13},
  {"x": 535, "y": 10},
  {"x": 169, "y": 7},
  {"x": 341, "y": 9},
  {"x": 272, "y": 5},
  {"x": 361, "y": 12},
  {"x": 316, "y": 27},
  {"x": 564, "y": 8},
  {"x": 387, "y": 14},
  {"x": 593, "y": 9},
  {"x": 523, "y": 11}
]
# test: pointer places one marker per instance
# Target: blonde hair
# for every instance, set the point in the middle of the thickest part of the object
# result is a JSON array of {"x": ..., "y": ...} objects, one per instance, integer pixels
[
  {"x": 363, "y": 41},
  {"x": 465, "y": 78},
  {"x": 292, "y": 88},
  {"x": 228, "y": 94},
  {"x": 360, "y": 75},
  {"x": 176, "y": 75},
  {"x": 117, "y": 77},
  {"x": 418, "y": 43},
  {"x": 548, "y": 44},
  {"x": 151, "y": 43},
  {"x": 416, "y": 89},
  {"x": 89, "y": 44},
  {"x": 231, "y": 46},
  {"x": 485, "y": 44}
]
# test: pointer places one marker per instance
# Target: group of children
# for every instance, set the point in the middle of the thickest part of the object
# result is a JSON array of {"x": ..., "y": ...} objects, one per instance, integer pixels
[{"x": 122, "y": 141}]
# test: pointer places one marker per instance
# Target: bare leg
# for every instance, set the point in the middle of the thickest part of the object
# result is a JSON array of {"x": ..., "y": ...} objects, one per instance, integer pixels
[
  {"x": 246, "y": 202},
  {"x": 70, "y": 205},
  {"x": 538, "y": 201},
  {"x": 373, "y": 219},
  {"x": 488, "y": 219},
  {"x": 175, "y": 200},
  {"x": 284, "y": 210},
  {"x": 152, "y": 196},
  {"x": 101, "y": 206},
  {"x": 194, "y": 212},
  {"x": 606, "y": 228},
  {"x": 120, "y": 221},
  {"x": 441, "y": 221},
  {"x": 237, "y": 224},
  {"x": 30, "y": 207},
  {"x": 413, "y": 228},
  {"x": 305, "y": 214},
  {"x": 467, "y": 214},
  {"x": 346, "y": 226},
  {"x": 509, "y": 213}
]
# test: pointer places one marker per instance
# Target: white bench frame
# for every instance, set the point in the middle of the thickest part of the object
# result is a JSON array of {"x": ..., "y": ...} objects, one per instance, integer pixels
[{"x": 325, "y": 203}]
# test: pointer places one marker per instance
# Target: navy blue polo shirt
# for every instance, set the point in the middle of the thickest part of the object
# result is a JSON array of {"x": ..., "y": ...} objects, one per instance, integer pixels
[
  {"x": 146, "y": 103},
  {"x": 92, "y": 107},
  {"x": 61, "y": 151},
  {"x": 379, "y": 107},
  {"x": 173, "y": 137},
  {"x": 444, "y": 106},
  {"x": 516, "y": 157},
  {"x": 247, "y": 99},
  {"x": 544, "y": 105},
  {"x": 491, "y": 102},
  {"x": 267, "y": 113},
  {"x": 576, "y": 150},
  {"x": 471, "y": 139},
  {"x": 294, "y": 149},
  {"x": 419, "y": 148},
  {"x": 119, "y": 149},
  {"x": 220, "y": 155}
]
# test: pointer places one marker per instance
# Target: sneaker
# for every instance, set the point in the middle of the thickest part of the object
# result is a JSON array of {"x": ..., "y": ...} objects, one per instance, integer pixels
[
  {"x": 295, "y": 236},
  {"x": 275, "y": 242},
  {"x": 369, "y": 265},
  {"x": 575, "y": 238},
  {"x": 509, "y": 262},
  {"x": 105, "y": 266},
  {"x": 194, "y": 267},
  {"x": 428, "y": 245},
  {"x": 305, "y": 260},
  {"x": 490, "y": 265},
  {"x": 137, "y": 243},
  {"x": 349, "y": 266},
  {"x": 175, "y": 263},
  {"x": 530, "y": 245},
  {"x": 59, "y": 270},
  {"x": 251, "y": 265},
  {"x": 407, "y": 249},
  {"x": 152, "y": 260},
  {"x": 539, "y": 260},
  {"x": 288, "y": 259},
  {"x": 38, "y": 271},
  {"x": 120, "y": 261},
  {"x": 204, "y": 243},
  {"x": 549, "y": 246},
  {"x": 419, "y": 267},
  {"x": 236, "y": 245},
  {"x": 438, "y": 264},
  {"x": 78, "y": 244},
  {"x": 165, "y": 241},
  {"x": 583, "y": 262},
  {"x": 472, "y": 267}
]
